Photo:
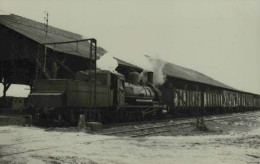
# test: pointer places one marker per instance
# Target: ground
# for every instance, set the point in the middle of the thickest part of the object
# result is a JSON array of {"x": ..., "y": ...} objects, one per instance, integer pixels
[{"x": 228, "y": 141}]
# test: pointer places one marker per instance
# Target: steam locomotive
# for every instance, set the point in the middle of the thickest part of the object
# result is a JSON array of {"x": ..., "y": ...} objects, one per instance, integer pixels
[
  {"x": 102, "y": 96},
  {"x": 108, "y": 97}
]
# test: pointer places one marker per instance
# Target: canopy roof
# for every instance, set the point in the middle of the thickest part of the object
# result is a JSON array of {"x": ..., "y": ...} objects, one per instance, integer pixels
[
  {"x": 174, "y": 70},
  {"x": 36, "y": 31}
]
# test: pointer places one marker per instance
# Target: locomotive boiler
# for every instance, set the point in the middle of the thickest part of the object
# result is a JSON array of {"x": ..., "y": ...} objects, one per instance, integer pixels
[
  {"x": 101, "y": 96},
  {"x": 141, "y": 93}
]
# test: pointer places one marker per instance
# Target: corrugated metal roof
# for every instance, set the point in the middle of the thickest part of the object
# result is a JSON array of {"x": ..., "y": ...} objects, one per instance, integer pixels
[
  {"x": 179, "y": 72},
  {"x": 176, "y": 71},
  {"x": 124, "y": 63},
  {"x": 36, "y": 31},
  {"x": 191, "y": 75}
]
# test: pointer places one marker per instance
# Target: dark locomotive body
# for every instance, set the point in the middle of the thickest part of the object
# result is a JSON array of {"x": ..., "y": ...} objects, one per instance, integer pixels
[{"x": 103, "y": 97}]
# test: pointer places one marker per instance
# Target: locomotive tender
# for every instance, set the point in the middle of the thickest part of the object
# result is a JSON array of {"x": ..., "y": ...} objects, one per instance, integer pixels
[{"x": 104, "y": 96}]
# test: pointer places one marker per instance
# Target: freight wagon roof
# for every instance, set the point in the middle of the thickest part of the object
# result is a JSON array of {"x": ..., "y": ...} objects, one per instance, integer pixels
[
  {"x": 36, "y": 31},
  {"x": 176, "y": 71}
]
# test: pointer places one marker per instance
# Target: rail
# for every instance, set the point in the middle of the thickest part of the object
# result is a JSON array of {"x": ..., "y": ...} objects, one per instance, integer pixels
[{"x": 142, "y": 131}]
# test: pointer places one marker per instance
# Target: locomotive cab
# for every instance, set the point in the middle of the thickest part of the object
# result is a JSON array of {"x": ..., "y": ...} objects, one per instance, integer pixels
[{"x": 115, "y": 81}]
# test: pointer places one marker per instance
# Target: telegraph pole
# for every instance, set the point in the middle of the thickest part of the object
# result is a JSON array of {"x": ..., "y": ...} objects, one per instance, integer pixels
[{"x": 46, "y": 35}]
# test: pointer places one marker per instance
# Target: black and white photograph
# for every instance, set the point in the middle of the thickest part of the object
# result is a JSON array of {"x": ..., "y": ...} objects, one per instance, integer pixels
[{"x": 129, "y": 81}]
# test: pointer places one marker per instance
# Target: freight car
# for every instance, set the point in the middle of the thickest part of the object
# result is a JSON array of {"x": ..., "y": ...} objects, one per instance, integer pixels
[
  {"x": 101, "y": 96},
  {"x": 208, "y": 102}
]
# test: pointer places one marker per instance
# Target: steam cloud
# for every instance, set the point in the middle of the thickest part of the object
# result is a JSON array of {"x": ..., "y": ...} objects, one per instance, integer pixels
[
  {"x": 150, "y": 64},
  {"x": 157, "y": 65},
  {"x": 147, "y": 63},
  {"x": 107, "y": 62}
]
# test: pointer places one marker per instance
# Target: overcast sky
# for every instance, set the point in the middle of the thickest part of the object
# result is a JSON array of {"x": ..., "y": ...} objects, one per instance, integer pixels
[{"x": 219, "y": 38}]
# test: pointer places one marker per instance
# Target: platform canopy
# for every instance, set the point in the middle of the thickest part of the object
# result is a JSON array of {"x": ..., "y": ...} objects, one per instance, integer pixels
[
  {"x": 36, "y": 31},
  {"x": 173, "y": 71},
  {"x": 22, "y": 55},
  {"x": 22, "y": 51},
  {"x": 180, "y": 72}
]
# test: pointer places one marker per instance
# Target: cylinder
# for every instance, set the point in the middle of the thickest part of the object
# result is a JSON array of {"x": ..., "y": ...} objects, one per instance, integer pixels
[{"x": 150, "y": 77}]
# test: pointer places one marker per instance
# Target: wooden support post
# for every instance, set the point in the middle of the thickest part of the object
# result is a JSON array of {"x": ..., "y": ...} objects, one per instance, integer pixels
[
  {"x": 54, "y": 68},
  {"x": 30, "y": 88},
  {"x": 46, "y": 72},
  {"x": 180, "y": 96},
  {"x": 61, "y": 63},
  {"x": 6, "y": 87}
]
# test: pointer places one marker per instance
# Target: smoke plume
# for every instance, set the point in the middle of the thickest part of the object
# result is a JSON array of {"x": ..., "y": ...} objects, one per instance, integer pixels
[
  {"x": 157, "y": 66},
  {"x": 107, "y": 62},
  {"x": 147, "y": 63},
  {"x": 151, "y": 64}
]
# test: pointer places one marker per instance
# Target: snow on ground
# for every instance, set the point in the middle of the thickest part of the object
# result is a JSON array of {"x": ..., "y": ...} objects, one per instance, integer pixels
[{"x": 35, "y": 145}]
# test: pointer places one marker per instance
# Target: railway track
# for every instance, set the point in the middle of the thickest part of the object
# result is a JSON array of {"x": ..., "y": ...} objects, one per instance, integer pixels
[
  {"x": 171, "y": 126},
  {"x": 140, "y": 132}
]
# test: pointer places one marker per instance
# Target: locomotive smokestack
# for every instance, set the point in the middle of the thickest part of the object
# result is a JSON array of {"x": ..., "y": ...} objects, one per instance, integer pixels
[
  {"x": 150, "y": 77},
  {"x": 133, "y": 77}
]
